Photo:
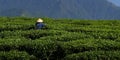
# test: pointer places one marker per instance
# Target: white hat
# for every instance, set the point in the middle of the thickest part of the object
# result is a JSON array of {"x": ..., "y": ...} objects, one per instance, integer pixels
[{"x": 39, "y": 20}]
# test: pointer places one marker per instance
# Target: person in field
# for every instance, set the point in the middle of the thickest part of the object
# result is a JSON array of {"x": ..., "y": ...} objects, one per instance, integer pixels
[{"x": 39, "y": 24}]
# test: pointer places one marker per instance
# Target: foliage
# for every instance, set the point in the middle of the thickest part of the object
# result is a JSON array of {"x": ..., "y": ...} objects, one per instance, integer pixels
[{"x": 60, "y": 39}]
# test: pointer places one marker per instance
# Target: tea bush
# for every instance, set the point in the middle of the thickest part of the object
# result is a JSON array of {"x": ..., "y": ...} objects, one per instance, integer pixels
[
  {"x": 90, "y": 45},
  {"x": 14, "y": 55},
  {"x": 60, "y": 39},
  {"x": 95, "y": 55}
]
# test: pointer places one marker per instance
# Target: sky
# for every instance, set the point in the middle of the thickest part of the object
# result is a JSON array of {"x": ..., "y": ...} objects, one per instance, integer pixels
[{"x": 116, "y": 2}]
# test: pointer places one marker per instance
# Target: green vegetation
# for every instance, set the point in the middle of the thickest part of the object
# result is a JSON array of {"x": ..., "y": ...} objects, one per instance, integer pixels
[{"x": 60, "y": 39}]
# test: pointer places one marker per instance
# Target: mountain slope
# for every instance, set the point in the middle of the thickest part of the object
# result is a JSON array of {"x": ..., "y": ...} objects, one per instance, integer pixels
[{"x": 84, "y": 9}]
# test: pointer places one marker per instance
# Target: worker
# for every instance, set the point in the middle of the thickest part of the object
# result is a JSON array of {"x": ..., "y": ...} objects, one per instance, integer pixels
[{"x": 39, "y": 24}]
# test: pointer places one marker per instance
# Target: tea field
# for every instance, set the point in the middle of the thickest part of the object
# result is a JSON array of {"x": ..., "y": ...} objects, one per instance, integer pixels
[{"x": 60, "y": 39}]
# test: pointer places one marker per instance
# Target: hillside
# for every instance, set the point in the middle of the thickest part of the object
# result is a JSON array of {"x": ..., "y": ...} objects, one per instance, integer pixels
[
  {"x": 84, "y": 9},
  {"x": 61, "y": 39}
]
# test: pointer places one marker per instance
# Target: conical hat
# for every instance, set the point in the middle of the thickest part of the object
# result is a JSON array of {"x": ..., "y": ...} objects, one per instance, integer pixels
[{"x": 39, "y": 20}]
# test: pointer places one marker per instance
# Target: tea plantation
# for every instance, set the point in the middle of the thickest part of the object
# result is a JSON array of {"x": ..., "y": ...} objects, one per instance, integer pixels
[{"x": 60, "y": 39}]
